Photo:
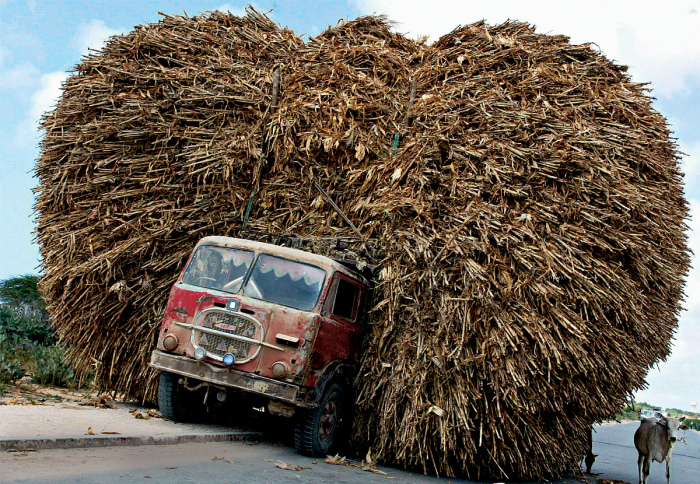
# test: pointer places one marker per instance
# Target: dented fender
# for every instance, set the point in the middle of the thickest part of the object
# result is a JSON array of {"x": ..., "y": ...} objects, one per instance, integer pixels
[{"x": 336, "y": 371}]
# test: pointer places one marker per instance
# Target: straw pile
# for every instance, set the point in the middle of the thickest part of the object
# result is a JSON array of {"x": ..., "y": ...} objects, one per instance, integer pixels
[{"x": 529, "y": 216}]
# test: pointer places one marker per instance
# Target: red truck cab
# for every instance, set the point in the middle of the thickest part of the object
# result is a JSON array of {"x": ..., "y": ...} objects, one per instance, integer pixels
[{"x": 282, "y": 325}]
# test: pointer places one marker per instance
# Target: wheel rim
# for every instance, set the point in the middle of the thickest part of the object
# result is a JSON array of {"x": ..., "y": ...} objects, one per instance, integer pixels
[{"x": 329, "y": 417}]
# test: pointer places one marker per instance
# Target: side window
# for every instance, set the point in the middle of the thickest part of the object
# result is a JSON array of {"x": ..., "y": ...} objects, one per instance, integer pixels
[{"x": 346, "y": 297}]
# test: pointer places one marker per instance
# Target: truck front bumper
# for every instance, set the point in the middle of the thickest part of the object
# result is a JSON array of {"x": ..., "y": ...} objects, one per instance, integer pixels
[{"x": 227, "y": 377}]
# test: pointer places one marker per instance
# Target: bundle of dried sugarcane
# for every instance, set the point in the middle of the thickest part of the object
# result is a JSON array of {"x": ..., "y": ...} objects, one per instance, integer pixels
[{"x": 525, "y": 196}]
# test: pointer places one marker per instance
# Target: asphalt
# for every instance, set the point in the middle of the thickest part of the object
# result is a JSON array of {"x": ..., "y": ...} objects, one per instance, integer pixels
[
  {"x": 68, "y": 425},
  {"x": 65, "y": 425}
]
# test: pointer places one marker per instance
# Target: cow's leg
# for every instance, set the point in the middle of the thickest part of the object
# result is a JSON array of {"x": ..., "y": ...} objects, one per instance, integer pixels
[
  {"x": 590, "y": 456},
  {"x": 640, "y": 464},
  {"x": 668, "y": 468},
  {"x": 647, "y": 464}
]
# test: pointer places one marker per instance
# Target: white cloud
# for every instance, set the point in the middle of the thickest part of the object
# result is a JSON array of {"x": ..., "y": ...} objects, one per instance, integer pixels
[
  {"x": 47, "y": 96},
  {"x": 660, "y": 41},
  {"x": 19, "y": 76},
  {"x": 676, "y": 382},
  {"x": 690, "y": 164},
  {"x": 93, "y": 35},
  {"x": 227, "y": 7},
  {"x": 692, "y": 288},
  {"x": 44, "y": 98}
]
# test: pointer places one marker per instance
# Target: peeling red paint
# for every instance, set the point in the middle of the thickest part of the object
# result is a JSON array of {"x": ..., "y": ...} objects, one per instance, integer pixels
[{"x": 323, "y": 338}]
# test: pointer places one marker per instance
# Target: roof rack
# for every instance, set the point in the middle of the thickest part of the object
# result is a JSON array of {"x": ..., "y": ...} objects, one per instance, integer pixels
[{"x": 341, "y": 249}]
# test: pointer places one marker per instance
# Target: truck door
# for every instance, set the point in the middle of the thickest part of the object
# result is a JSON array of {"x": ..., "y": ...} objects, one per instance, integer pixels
[{"x": 340, "y": 334}]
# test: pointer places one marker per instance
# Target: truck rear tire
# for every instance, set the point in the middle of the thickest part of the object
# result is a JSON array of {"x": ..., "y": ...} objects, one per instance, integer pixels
[
  {"x": 316, "y": 429},
  {"x": 175, "y": 402}
]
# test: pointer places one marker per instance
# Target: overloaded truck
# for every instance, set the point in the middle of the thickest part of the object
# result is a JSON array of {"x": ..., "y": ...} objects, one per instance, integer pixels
[{"x": 266, "y": 325}]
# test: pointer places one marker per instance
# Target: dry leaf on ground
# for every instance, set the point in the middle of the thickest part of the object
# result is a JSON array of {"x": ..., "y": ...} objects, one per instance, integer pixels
[{"x": 290, "y": 467}]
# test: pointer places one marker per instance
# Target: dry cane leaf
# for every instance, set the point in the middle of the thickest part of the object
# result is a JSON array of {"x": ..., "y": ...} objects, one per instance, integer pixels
[{"x": 290, "y": 467}]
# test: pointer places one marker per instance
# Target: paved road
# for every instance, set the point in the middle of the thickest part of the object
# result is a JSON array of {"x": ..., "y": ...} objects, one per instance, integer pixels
[
  {"x": 617, "y": 457},
  {"x": 233, "y": 462},
  {"x": 210, "y": 463}
]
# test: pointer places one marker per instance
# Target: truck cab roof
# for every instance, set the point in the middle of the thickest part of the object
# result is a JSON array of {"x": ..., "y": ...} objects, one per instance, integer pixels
[{"x": 321, "y": 261}]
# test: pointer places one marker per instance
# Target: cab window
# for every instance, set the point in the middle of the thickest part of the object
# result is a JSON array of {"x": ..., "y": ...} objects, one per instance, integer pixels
[
  {"x": 347, "y": 296},
  {"x": 287, "y": 282}
]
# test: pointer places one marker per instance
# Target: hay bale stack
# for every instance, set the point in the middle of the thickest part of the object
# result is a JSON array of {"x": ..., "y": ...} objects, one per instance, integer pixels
[
  {"x": 529, "y": 216},
  {"x": 534, "y": 284},
  {"x": 153, "y": 145}
]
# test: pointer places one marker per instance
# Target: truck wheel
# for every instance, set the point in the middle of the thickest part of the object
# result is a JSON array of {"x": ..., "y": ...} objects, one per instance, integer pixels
[
  {"x": 317, "y": 428},
  {"x": 175, "y": 402}
]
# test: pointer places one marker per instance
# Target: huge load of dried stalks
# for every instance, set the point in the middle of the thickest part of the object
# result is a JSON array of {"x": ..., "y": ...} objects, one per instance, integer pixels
[{"x": 526, "y": 198}]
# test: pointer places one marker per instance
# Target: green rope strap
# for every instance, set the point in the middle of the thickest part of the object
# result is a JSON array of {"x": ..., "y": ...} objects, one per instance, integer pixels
[
  {"x": 247, "y": 210},
  {"x": 396, "y": 144}
]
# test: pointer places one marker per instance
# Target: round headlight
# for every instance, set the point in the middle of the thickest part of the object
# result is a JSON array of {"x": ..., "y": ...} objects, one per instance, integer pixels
[
  {"x": 279, "y": 369},
  {"x": 200, "y": 353},
  {"x": 229, "y": 359},
  {"x": 170, "y": 342}
]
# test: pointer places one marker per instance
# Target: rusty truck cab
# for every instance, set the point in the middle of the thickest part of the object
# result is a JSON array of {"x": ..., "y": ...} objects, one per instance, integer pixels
[{"x": 282, "y": 324}]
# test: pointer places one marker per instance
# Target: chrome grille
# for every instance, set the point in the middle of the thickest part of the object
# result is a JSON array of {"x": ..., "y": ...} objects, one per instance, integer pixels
[{"x": 218, "y": 346}]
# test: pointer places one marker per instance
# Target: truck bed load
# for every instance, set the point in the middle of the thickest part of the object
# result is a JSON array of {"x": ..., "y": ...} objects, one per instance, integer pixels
[{"x": 526, "y": 199}]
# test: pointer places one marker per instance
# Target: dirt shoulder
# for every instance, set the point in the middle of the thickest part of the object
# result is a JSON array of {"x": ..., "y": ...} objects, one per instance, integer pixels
[{"x": 56, "y": 418}]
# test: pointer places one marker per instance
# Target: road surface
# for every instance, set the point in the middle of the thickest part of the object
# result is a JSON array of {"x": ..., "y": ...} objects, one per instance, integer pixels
[{"x": 234, "y": 462}]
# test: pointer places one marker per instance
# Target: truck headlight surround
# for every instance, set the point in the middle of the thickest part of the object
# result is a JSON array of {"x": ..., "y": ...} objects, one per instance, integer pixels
[
  {"x": 170, "y": 342},
  {"x": 200, "y": 353},
  {"x": 279, "y": 369}
]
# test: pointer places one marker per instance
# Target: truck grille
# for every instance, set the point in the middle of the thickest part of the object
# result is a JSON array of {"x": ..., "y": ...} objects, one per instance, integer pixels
[{"x": 226, "y": 322}]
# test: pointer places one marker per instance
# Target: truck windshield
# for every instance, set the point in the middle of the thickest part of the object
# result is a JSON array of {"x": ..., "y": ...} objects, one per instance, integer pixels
[
  {"x": 218, "y": 268},
  {"x": 285, "y": 282}
]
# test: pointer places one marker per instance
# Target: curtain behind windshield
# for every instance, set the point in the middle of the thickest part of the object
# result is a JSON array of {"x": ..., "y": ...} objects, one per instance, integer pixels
[
  {"x": 218, "y": 268},
  {"x": 286, "y": 282}
]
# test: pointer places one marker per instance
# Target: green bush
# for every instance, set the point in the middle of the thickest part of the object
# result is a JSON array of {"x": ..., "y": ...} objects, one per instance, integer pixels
[
  {"x": 51, "y": 368},
  {"x": 10, "y": 370},
  {"x": 23, "y": 331},
  {"x": 27, "y": 344},
  {"x": 693, "y": 423},
  {"x": 22, "y": 291}
]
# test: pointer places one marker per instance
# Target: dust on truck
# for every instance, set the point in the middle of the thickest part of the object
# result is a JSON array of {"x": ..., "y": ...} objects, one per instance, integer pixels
[{"x": 272, "y": 326}]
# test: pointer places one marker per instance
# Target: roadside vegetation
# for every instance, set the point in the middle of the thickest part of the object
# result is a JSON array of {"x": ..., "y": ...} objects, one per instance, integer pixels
[
  {"x": 28, "y": 346},
  {"x": 631, "y": 412}
]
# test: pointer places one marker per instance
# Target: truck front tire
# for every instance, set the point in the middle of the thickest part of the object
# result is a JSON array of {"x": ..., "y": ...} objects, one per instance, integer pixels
[
  {"x": 317, "y": 428},
  {"x": 175, "y": 402}
]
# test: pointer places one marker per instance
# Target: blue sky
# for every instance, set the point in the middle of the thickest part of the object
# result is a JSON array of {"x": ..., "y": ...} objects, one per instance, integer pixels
[{"x": 660, "y": 41}]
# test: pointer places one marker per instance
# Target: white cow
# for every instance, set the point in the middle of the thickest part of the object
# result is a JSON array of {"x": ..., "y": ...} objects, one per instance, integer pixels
[{"x": 654, "y": 440}]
